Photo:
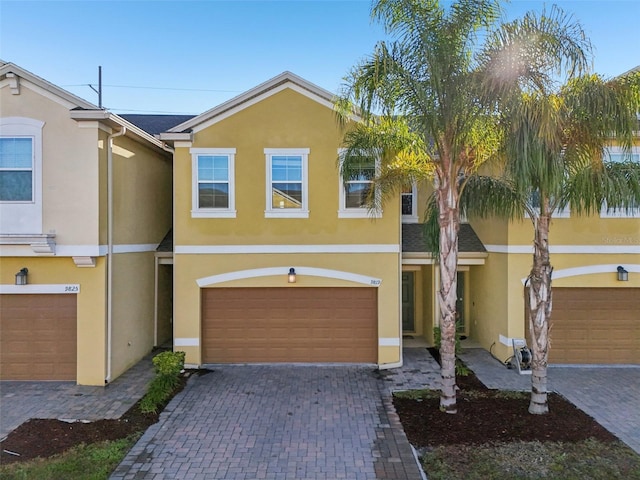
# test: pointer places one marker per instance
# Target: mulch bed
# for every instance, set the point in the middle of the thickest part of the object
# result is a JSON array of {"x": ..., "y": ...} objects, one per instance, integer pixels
[
  {"x": 47, "y": 437},
  {"x": 486, "y": 416}
]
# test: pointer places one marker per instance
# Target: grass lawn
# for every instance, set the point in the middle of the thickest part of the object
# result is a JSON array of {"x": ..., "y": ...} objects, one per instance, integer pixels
[{"x": 84, "y": 462}]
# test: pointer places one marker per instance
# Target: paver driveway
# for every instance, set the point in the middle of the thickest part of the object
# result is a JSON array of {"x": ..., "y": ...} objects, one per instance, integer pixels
[{"x": 276, "y": 422}]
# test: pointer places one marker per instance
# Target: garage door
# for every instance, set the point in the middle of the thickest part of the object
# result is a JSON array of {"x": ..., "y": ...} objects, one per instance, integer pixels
[
  {"x": 595, "y": 325},
  {"x": 258, "y": 325},
  {"x": 37, "y": 337}
]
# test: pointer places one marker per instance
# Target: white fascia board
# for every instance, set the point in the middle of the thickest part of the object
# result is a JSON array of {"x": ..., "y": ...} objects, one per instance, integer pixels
[
  {"x": 176, "y": 136},
  {"x": 567, "y": 249},
  {"x": 263, "y": 90},
  {"x": 45, "y": 85},
  {"x": 285, "y": 249},
  {"x": 61, "y": 288}
]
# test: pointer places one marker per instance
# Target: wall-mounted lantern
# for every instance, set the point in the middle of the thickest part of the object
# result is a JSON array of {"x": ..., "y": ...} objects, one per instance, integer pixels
[
  {"x": 623, "y": 275},
  {"x": 292, "y": 275},
  {"x": 21, "y": 276}
]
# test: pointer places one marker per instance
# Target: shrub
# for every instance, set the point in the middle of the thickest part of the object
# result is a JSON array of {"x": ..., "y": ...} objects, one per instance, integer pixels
[{"x": 168, "y": 366}]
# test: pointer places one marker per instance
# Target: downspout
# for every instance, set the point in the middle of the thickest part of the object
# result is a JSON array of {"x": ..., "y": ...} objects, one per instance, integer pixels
[{"x": 110, "y": 247}]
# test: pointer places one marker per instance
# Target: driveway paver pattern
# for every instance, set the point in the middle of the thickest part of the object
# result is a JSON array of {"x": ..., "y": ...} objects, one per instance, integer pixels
[
  {"x": 276, "y": 422},
  {"x": 21, "y": 401}
]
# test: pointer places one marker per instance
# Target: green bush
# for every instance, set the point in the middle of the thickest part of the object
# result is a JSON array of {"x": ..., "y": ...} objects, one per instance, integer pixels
[{"x": 168, "y": 366}]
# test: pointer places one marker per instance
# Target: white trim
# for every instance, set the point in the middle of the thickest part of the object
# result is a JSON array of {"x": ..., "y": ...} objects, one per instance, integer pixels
[
  {"x": 84, "y": 250},
  {"x": 251, "y": 97},
  {"x": 53, "y": 288},
  {"x": 610, "y": 268},
  {"x": 186, "y": 342},
  {"x": 388, "y": 342},
  {"x": 353, "y": 212},
  {"x": 272, "y": 212},
  {"x": 566, "y": 249},
  {"x": 24, "y": 216},
  {"x": 230, "y": 211},
  {"x": 413, "y": 217},
  {"x": 287, "y": 249},
  {"x": 135, "y": 248},
  {"x": 282, "y": 271}
]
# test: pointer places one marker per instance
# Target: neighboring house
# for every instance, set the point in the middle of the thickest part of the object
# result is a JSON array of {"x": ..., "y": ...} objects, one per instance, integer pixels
[{"x": 85, "y": 199}]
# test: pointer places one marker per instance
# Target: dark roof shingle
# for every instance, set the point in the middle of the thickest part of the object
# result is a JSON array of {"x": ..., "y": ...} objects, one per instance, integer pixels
[
  {"x": 155, "y": 124},
  {"x": 413, "y": 239}
]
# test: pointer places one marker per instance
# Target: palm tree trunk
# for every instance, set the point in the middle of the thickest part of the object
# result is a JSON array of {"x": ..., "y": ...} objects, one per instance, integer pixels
[
  {"x": 539, "y": 316},
  {"x": 449, "y": 225}
]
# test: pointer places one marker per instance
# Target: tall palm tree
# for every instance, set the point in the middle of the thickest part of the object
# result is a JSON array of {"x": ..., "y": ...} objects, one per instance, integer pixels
[
  {"x": 555, "y": 138},
  {"x": 420, "y": 117}
]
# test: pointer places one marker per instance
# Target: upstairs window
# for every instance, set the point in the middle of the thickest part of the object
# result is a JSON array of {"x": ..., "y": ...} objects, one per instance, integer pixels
[
  {"x": 287, "y": 182},
  {"x": 616, "y": 154},
  {"x": 357, "y": 189},
  {"x": 213, "y": 182},
  {"x": 409, "y": 204},
  {"x": 16, "y": 169}
]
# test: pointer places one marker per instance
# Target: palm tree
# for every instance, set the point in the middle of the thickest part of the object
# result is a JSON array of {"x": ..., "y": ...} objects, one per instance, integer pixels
[
  {"x": 421, "y": 118},
  {"x": 555, "y": 138}
]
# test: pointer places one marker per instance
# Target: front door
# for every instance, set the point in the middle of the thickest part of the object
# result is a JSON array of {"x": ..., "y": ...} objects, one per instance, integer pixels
[
  {"x": 408, "y": 310},
  {"x": 461, "y": 324}
]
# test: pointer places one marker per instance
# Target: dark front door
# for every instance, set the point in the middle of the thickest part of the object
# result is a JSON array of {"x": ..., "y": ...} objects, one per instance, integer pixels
[{"x": 408, "y": 309}]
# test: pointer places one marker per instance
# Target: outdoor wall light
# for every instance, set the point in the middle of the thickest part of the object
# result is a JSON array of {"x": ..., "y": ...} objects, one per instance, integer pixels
[
  {"x": 623, "y": 275},
  {"x": 292, "y": 275},
  {"x": 21, "y": 277}
]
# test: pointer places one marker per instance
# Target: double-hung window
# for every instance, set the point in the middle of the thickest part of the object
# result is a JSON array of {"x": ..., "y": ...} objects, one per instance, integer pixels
[
  {"x": 16, "y": 169},
  {"x": 213, "y": 182},
  {"x": 287, "y": 182},
  {"x": 20, "y": 175},
  {"x": 356, "y": 190},
  {"x": 409, "y": 204},
  {"x": 618, "y": 155}
]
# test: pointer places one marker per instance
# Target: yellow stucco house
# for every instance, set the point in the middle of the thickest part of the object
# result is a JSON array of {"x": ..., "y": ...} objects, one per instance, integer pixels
[
  {"x": 257, "y": 195},
  {"x": 85, "y": 199}
]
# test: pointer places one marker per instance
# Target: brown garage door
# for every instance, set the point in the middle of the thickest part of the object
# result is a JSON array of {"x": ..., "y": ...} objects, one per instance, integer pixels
[
  {"x": 37, "y": 337},
  {"x": 247, "y": 325},
  {"x": 595, "y": 325}
]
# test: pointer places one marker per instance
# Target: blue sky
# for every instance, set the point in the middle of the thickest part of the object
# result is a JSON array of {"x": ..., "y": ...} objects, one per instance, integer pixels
[{"x": 189, "y": 56}]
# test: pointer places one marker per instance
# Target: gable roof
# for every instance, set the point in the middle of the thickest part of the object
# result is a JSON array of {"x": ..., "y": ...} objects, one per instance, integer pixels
[
  {"x": 155, "y": 124},
  {"x": 250, "y": 97},
  {"x": 79, "y": 109},
  {"x": 10, "y": 70}
]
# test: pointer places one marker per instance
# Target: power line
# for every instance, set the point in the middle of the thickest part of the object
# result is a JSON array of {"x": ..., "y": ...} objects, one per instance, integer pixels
[{"x": 156, "y": 88}]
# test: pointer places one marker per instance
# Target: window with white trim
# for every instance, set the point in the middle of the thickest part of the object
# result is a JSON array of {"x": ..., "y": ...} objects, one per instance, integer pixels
[
  {"x": 355, "y": 191},
  {"x": 409, "y": 201},
  {"x": 559, "y": 213},
  {"x": 617, "y": 154},
  {"x": 16, "y": 169},
  {"x": 213, "y": 189},
  {"x": 287, "y": 183},
  {"x": 20, "y": 175}
]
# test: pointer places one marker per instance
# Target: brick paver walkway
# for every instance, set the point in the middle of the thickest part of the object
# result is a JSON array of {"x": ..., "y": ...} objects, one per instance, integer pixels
[{"x": 276, "y": 422}]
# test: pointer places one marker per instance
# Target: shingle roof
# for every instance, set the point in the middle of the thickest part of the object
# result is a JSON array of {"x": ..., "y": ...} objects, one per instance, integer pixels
[
  {"x": 166, "y": 245},
  {"x": 155, "y": 124},
  {"x": 413, "y": 239}
]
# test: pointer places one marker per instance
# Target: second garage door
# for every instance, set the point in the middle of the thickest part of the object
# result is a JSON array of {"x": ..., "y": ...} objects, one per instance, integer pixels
[
  {"x": 37, "y": 337},
  {"x": 595, "y": 325},
  {"x": 309, "y": 325}
]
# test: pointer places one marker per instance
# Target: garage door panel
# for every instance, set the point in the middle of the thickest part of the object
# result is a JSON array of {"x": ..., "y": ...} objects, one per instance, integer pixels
[
  {"x": 289, "y": 325},
  {"x": 595, "y": 325},
  {"x": 38, "y": 337}
]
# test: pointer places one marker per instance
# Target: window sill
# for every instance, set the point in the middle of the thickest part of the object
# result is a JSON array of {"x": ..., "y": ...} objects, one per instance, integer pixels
[
  {"x": 213, "y": 213},
  {"x": 410, "y": 219},
  {"x": 632, "y": 213},
  {"x": 359, "y": 213},
  {"x": 286, "y": 214}
]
